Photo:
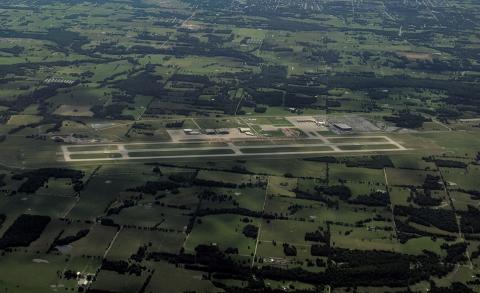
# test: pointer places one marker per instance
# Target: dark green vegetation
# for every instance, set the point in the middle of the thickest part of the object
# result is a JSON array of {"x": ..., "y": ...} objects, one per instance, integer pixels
[{"x": 133, "y": 72}]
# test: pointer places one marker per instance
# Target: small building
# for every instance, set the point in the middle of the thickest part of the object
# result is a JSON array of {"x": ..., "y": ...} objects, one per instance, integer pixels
[
  {"x": 210, "y": 131},
  {"x": 189, "y": 131},
  {"x": 244, "y": 129},
  {"x": 342, "y": 126}
]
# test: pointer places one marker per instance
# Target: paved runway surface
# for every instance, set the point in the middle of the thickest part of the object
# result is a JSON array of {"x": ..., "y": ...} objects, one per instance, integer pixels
[{"x": 172, "y": 150}]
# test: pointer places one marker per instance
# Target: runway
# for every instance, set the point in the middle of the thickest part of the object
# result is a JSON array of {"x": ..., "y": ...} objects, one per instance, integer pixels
[{"x": 201, "y": 149}]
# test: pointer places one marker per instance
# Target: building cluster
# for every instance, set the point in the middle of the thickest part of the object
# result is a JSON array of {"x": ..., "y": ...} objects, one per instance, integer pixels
[
  {"x": 220, "y": 131},
  {"x": 342, "y": 126},
  {"x": 246, "y": 131},
  {"x": 54, "y": 80}
]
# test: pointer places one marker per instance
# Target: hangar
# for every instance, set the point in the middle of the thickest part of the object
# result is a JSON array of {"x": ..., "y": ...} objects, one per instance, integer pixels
[{"x": 342, "y": 126}]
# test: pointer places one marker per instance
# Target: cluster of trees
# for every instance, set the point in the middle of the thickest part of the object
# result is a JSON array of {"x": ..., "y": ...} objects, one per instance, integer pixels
[
  {"x": 455, "y": 287},
  {"x": 64, "y": 40},
  {"x": 432, "y": 182},
  {"x": 68, "y": 239},
  {"x": 469, "y": 220},
  {"x": 456, "y": 252},
  {"x": 144, "y": 83},
  {"x": 331, "y": 203},
  {"x": 212, "y": 183},
  {"x": 374, "y": 199},
  {"x": 25, "y": 230},
  {"x": 289, "y": 249},
  {"x": 450, "y": 164},
  {"x": 212, "y": 196},
  {"x": 406, "y": 119},
  {"x": 365, "y": 268},
  {"x": 37, "y": 178},
  {"x": 405, "y": 232},
  {"x": 238, "y": 211},
  {"x": 15, "y": 50},
  {"x": 317, "y": 236},
  {"x": 345, "y": 268},
  {"x": 269, "y": 97},
  {"x": 323, "y": 55},
  {"x": 372, "y": 162},
  {"x": 152, "y": 187},
  {"x": 122, "y": 267},
  {"x": 440, "y": 218},
  {"x": 424, "y": 198},
  {"x": 250, "y": 231},
  {"x": 320, "y": 250},
  {"x": 140, "y": 254},
  {"x": 175, "y": 124},
  {"x": 127, "y": 203},
  {"x": 342, "y": 191},
  {"x": 112, "y": 111}
]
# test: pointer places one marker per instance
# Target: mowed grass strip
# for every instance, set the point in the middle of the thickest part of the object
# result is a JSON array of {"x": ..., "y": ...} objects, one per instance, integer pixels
[
  {"x": 92, "y": 148},
  {"x": 367, "y": 147},
  {"x": 174, "y": 145},
  {"x": 253, "y": 142},
  {"x": 95, "y": 156},
  {"x": 298, "y": 141},
  {"x": 192, "y": 152},
  {"x": 285, "y": 149},
  {"x": 356, "y": 139},
  {"x": 278, "y": 141}
]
